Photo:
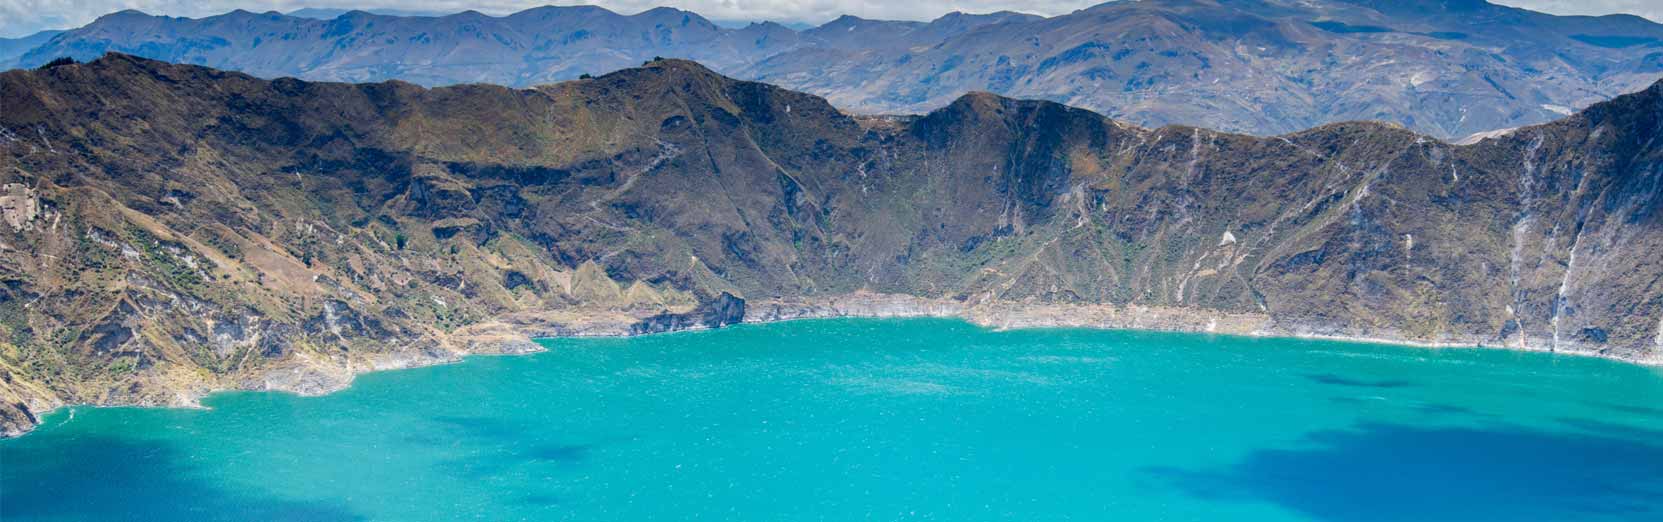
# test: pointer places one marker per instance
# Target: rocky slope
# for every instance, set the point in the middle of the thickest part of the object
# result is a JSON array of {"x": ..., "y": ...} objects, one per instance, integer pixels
[
  {"x": 1446, "y": 68},
  {"x": 173, "y": 229}
]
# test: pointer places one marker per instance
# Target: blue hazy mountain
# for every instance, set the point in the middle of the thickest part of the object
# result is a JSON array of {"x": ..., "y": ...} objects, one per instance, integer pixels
[
  {"x": 1447, "y": 68},
  {"x": 13, "y": 48},
  {"x": 331, "y": 13}
]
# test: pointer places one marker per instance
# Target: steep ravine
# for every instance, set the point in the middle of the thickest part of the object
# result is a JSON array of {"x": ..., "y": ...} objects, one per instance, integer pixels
[{"x": 171, "y": 230}]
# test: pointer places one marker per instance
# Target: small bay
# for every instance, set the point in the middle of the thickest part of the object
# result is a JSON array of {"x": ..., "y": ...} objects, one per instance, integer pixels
[{"x": 918, "y": 419}]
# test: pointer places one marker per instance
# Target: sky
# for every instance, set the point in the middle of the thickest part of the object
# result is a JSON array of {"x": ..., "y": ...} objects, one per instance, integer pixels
[{"x": 21, "y": 17}]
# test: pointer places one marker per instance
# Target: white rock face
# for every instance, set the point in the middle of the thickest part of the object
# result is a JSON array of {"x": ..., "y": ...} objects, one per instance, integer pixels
[
  {"x": 19, "y": 205},
  {"x": 1659, "y": 340},
  {"x": 1228, "y": 239},
  {"x": 1481, "y": 136}
]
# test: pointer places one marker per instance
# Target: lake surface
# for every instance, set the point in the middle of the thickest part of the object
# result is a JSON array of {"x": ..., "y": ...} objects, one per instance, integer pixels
[{"x": 887, "y": 420}]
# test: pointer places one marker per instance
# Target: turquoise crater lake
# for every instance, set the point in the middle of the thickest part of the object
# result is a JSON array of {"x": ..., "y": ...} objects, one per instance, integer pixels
[{"x": 886, "y": 420}]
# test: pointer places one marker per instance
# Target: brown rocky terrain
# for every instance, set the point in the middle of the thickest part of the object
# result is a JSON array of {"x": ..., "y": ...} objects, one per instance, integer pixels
[{"x": 174, "y": 229}]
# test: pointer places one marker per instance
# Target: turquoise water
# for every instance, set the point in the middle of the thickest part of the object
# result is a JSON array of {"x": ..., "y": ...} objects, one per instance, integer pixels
[{"x": 887, "y": 420}]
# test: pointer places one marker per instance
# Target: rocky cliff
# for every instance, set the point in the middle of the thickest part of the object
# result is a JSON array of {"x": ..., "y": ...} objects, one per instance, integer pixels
[{"x": 174, "y": 229}]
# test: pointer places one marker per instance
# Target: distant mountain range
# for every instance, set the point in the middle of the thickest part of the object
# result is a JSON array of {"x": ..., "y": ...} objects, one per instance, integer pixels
[
  {"x": 327, "y": 13},
  {"x": 13, "y": 48},
  {"x": 1448, "y": 68}
]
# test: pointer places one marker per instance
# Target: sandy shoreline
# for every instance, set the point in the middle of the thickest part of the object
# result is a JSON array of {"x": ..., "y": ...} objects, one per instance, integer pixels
[
  {"x": 1007, "y": 315},
  {"x": 518, "y": 336}
]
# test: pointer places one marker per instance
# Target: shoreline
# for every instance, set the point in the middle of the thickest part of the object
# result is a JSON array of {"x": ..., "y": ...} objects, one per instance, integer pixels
[
  {"x": 518, "y": 335},
  {"x": 1012, "y": 316}
]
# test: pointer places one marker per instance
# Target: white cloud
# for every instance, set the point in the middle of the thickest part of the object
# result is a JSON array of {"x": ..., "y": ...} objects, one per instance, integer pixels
[
  {"x": 1652, "y": 9},
  {"x": 20, "y": 17}
]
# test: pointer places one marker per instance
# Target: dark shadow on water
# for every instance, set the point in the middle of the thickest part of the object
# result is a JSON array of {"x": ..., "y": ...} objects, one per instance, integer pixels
[
  {"x": 502, "y": 446},
  {"x": 1629, "y": 409},
  {"x": 1436, "y": 409},
  {"x": 1428, "y": 409},
  {"x": 488, "y": 428},
  {"x": 1387, "y": 472},
  {"x": 1337, "y": 380},
  {"x": 1611, "y": 429},
  {"x": 109, "y": 478}
]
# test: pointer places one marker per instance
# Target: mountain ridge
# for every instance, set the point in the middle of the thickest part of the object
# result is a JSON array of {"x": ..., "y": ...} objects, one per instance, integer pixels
[
  {"x": 174, "y": 229},
  {"x": 1263, "y": 68}
]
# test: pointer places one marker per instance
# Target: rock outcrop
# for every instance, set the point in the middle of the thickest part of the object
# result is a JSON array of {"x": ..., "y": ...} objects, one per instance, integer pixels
[{"x": 724, "y": 310}]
